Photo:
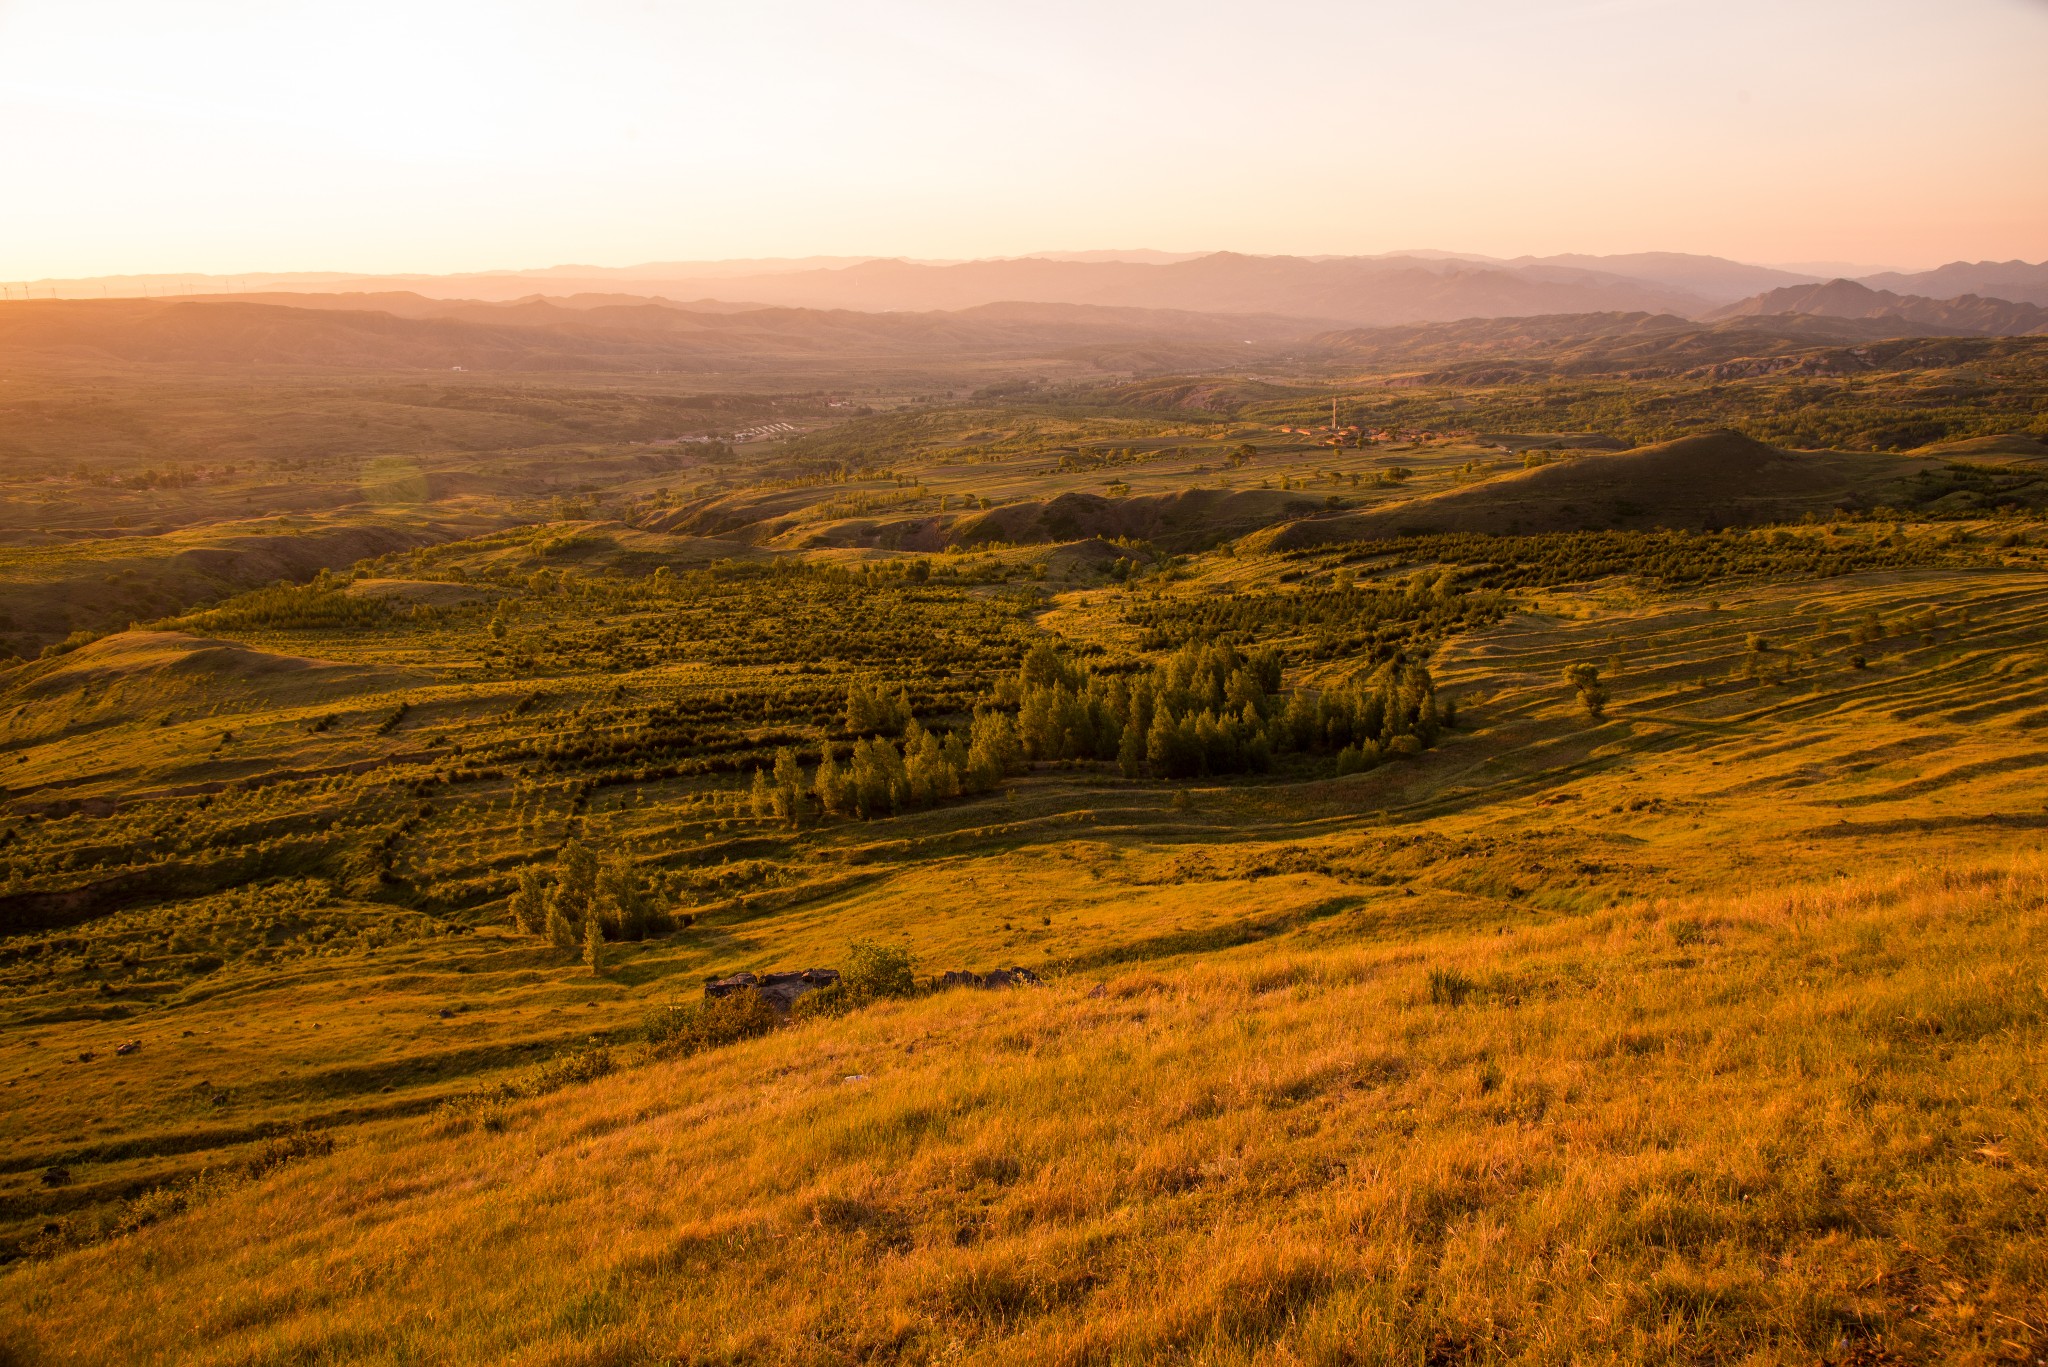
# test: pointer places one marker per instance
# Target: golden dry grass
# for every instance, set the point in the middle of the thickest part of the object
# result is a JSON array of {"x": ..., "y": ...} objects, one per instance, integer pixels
[{"x": 1793, "y": 1126}]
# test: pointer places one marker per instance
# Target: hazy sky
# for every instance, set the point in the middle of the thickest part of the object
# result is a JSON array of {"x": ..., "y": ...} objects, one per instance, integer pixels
[{"x": 212, "y": 135}]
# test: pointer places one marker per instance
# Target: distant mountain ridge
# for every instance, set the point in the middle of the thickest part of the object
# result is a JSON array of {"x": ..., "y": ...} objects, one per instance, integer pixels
[
  {"x": 1354, "y": 290},
  {"x": 2015, "y": 280},
  {"x": 1319, "y": 292},
  {"x": 1392, "y": 289},
  {"x": 1968, "y": 315},
  {"x": 1350, "y": 290}
]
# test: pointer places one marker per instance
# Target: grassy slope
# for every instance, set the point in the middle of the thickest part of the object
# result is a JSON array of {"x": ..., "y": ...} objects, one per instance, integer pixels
[
  {"x": 1669, "y": 1121},
  {"x": 1264, "y": 1136},
  {"x": 1772, "y": 1127}
]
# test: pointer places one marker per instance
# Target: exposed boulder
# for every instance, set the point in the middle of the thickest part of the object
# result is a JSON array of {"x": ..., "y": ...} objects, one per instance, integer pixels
[
  {"x": 780, "y": 990},
  {"x": 995, "y": 977}
]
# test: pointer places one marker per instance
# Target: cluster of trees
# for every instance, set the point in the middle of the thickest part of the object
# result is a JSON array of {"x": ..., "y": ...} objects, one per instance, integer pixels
[
  {"x": 319, "y": 606},
  {"x": 881, "y": 777},
  {"x": 1677, "y": 559},
  {"x": 1207, "y": 709},
  {"x": 745, "y": 615},
  {"x": 871, "y": 712},
  {"x": 586, "y": 899},
  {"x": 1211, "y": 709}
]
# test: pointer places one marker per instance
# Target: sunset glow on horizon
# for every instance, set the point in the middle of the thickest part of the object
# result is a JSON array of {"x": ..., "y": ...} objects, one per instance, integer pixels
[{"x": 222, "y": 137}]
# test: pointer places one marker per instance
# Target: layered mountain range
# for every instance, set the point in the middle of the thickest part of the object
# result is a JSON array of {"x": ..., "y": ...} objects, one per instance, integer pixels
[
  {"x": 1408, "y": 287},
  {"x": 1966, "y": 315}
]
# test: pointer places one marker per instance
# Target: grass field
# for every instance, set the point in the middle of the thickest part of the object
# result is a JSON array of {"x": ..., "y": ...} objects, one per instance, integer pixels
[
  {"x": 1792, "y": 1126},
  {"x": 1657, "y": 976}
]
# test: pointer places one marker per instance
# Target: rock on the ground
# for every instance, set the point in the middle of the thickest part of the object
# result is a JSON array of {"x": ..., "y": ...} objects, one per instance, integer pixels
[
  {"x": 780, "y": 990},
  {"x": 995, "y": 977}
]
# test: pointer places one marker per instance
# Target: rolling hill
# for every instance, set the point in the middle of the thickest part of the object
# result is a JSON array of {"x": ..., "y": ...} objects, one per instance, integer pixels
[
  {"x": 1966, "y": 315},
  {"x": 1706, "y": 482},
  {"x": 1632, "y": 345}
]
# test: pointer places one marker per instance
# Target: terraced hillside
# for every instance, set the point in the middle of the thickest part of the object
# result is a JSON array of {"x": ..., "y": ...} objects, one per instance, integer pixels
[
  {"x": 1534, "y": 894},
  {"x": 383, "y": 779}
]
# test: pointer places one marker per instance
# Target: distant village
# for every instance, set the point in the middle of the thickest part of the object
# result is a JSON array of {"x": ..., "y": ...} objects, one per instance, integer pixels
[
  {"x": 1353, "y": 435},
  {"x": 765, "y": 432}
]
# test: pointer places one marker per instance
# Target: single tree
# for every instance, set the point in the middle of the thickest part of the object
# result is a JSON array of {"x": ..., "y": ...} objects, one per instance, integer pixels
[
  {"x": 1592, "y": 693},
  {"x": 575, "y": 879},
  {"x": 561, "y": 930},
  {"x": 530, "y": 902},
  {"x": 789, "y": 787},
  {"x": 829, "y": 783}
]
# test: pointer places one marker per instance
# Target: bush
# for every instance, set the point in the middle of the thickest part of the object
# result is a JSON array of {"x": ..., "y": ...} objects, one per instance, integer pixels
[
  {"x": 683, "y": 1028},
  {"x": 69, "y": 644},
  {"x": 1449, "y": 987},
  {"x": 566, "y": 1070},
  {"x": 875, "y": 971},
  {"x": 824, "y": 1003},
  {"x": 491, "y": 1111}
]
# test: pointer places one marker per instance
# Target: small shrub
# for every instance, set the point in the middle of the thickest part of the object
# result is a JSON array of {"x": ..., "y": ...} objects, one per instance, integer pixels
[
  {"x": 566, "y": 1070},
  {"x": 875, "y": 971},
  {"x": 491, "y": 1111},
  {"x": 1449, "y": 987},
  {"x": 826, "y": 1002},
  {"x": 160, "y": 1203},
  {"x": 69, "y": 644},
  {"x": 683, "y": 1028}
]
